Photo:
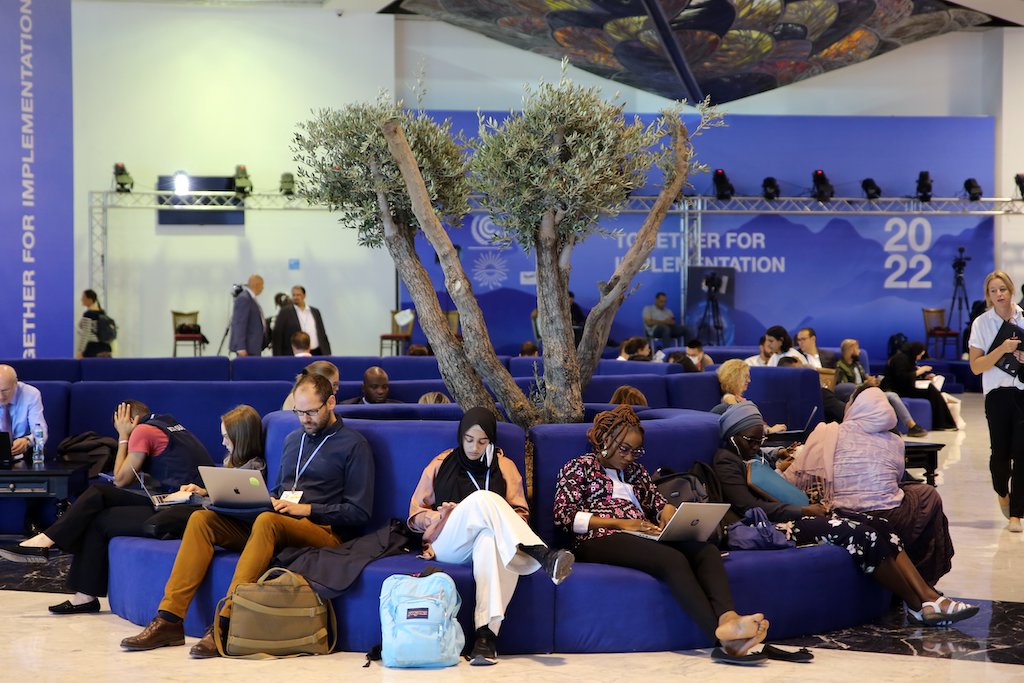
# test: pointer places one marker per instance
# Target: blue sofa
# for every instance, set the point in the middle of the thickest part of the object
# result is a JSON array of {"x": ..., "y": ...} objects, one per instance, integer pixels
[{"x": 199, "y": 368}]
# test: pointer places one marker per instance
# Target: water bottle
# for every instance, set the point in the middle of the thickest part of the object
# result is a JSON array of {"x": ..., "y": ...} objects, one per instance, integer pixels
[{"x": 37, "y": 447}]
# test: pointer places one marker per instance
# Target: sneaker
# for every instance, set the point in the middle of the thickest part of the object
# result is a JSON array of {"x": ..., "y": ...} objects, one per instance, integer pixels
[
  {"x": 558, "y": 565},
  {"x": 484, "y": 652},
  {"x": 917, "y": 431},
  {"x": 1014, "y": 526}
]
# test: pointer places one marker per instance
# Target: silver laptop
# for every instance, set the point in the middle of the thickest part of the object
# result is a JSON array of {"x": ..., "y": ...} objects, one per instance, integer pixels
[
  {"x": 230, "y": 487},
  {"x": 692, "y": 522},
  {"x": 162, "y": 500}
]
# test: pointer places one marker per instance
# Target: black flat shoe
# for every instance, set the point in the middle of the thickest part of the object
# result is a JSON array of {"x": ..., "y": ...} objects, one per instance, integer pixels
[
  {"x": 750, "y": 659},
  {"x": 67, "y": 608},
  {"x": 801, "y": 656},
  {"x": 21, "y": 553}
]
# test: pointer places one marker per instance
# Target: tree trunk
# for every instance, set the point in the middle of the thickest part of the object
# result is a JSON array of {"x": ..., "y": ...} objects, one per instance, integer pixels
[
  {"x": 613, "y": 292},
  {"x": 476, "y": 346}
]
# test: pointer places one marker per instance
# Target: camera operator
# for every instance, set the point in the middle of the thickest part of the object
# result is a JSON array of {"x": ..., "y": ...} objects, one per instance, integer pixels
[
  {"x": 248, "y": 325},
  {"x": 660, "y": 322}
]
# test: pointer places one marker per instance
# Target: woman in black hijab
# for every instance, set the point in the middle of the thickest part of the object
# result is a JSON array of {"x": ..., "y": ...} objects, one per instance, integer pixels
[
  {"x": 901, "y": 374},
  {"x": 470, "y": 506}
]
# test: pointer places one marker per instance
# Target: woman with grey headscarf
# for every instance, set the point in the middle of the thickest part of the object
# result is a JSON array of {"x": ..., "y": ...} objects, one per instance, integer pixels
[{"x": 867, "y": 539}]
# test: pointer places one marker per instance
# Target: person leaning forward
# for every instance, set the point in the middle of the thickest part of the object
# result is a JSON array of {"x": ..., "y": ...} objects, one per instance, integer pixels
[{"x": 324, "y": 493}]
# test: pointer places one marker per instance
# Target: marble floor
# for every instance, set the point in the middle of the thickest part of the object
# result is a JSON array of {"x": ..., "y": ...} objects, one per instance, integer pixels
[{"x": 987, "y": 568}]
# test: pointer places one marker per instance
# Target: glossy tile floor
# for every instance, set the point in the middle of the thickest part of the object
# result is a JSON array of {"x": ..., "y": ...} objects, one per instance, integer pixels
[{"x": 987, "y": 567}]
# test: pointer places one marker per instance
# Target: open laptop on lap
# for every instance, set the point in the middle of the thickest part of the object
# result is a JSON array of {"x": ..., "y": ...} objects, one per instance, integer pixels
[
  {"x": 692, "y": 522},
  {"x": 235, "y": 489},
  {"x": 792, "y": 435}
]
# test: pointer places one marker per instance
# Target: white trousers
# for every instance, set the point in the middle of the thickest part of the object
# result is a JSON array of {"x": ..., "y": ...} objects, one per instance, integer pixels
[{"x": 485, "y": 530}]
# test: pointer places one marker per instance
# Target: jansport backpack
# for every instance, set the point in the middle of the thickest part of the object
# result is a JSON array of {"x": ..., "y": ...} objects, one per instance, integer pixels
[{"x": 419, "y": 621}]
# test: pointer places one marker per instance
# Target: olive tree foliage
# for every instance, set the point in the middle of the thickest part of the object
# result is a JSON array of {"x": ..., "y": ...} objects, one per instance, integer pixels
[
  {"x": 345, "y": 163},
  {"x": 547, "y": 175}
]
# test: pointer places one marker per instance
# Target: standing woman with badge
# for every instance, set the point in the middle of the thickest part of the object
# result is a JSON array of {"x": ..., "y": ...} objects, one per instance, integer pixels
[
  {"x": 470, "y": 506},
  {"x": 1004, "y": 393}
]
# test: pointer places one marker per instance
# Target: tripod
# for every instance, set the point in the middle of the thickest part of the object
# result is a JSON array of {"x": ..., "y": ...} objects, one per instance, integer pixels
[
  {"x": 227, "y": 331},
  {"x": 711, "y": 320},
  {"x": 958, "y": 303}
]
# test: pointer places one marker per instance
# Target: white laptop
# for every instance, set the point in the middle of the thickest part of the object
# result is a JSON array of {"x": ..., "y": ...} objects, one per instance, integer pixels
[
  {"x": 230, "y": 487},
  {"x": 160, "y": 500},
  {"x": 692, "y": 522}
]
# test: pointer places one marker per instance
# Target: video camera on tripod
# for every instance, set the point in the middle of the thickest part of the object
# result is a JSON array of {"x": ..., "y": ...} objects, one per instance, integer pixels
[
  {"x": 236, "y": 289},
  {"x": 712, "y": 282},
  {"x": 960, "y": 262}
]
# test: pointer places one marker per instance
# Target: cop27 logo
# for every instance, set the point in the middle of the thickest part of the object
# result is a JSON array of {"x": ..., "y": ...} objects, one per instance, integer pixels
[
  {"x": 483, "y": 229},
  {"x": 907, "y": 262}
]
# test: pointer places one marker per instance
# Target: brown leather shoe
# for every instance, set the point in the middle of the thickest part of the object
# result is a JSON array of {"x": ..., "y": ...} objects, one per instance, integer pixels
[
  {"x": 206, "y": 647},
  {"x": 159, "y": 633}
]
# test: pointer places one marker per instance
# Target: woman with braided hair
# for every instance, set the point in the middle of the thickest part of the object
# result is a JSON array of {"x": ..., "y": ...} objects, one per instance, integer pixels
[{"x": 606, "y": 491}]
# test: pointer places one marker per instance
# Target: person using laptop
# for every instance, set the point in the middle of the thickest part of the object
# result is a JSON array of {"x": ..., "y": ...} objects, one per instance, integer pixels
[
  {"x": 869, "y": 540},
  {"x": 147, "y": 444},
  {"x": 324, "y": 495},
  {"x": 607, "y": 491},
  {"x": 21, "y": 409},
  {"x": 470, "y": 506}
]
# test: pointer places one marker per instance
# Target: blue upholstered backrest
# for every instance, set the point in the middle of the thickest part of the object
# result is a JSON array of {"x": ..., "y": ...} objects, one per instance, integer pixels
[
  {"x": 56, "y": 396},
  {"x": 410, "y": 367},
  {"x": 197, "y": 405},
  {"x": 636, "y": 367},
  {"x": 694, "y": 390},
  {"x": 601, "y": 388},
  {"x": 405, "y": 390},
  {"x": 786, "y": 395},
  {"x": 199, "y": 368},
  {"x": 280, "y": 368},
  {"x": 401, "y": 449},
  {"x": 402, "y": 411},
  {"x": 523, "y": 366},
  {"x": 50, "y": 369},
  {"x": 675, "y": 442}
]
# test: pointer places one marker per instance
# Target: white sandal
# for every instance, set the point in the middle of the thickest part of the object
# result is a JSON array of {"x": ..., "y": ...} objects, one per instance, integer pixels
[{"x": 955, "y": 611}]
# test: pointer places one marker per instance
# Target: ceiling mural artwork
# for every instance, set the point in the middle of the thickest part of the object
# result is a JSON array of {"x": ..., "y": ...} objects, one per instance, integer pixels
[{"x": 688, "y": 49}]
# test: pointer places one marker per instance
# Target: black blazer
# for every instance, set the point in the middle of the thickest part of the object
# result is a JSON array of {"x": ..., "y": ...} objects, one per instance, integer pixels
[{"x": 287, "y": 324}]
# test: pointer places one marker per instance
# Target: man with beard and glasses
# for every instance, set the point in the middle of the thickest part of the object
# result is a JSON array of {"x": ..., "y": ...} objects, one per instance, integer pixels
[{"x": 324, "y": 494}]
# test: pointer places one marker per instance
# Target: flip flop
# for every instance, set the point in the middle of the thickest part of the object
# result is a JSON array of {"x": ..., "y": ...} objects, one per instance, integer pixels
[
  {"x": 801, "y": 656},
  {"x": 751, "y": 659}
]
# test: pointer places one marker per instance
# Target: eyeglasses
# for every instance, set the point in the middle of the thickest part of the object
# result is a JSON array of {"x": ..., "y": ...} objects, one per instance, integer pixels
[
  {"x": 759, "y": 440},
  {"x": 309, "y": 413},
  {"x": 626, "y": 450}
]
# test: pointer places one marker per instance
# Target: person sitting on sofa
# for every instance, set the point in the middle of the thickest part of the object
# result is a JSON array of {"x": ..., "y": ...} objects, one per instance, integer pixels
[
  {"x": 901, "y": 374},
  {"x": 695, "y": 351},
  {"x": 780, "y": 344},
  {"x": 375, "y": 388},
  {"x": 850, "y": 374},
  {"x": 325, "y": 369},
  {"x": 628, "y": 396},
  {"x": 147, "y": 445},
  {"x": 470, "y": 506},
  {"x": 682, "y": 358},
  {"x": 764, "y": 354},
  {"x": 634, "y": 347},
  {"x": 606, "y": 491},
  {"x": 860, "y": 463},
  {"x": 869, "y": 540},
  {"x": 734, "y": 378},
  {"x": 324, "y": 495}
]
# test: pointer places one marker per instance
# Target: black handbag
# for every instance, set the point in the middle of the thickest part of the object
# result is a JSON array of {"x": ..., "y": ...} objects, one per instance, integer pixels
[{"x": 170, "y": 522}]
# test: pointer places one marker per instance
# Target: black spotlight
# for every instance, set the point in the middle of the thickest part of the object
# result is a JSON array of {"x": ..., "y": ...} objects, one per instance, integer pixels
[
  {"x": 823, "y": 190},
  {"x": 723, "y": 188},
  {"x": 871, "y": 189},
  {"x": 122, "y": 178},
  {"x": 973, "y": 189},
  {"x": 924, "y": 187},
  {"x": 770, "y": 188},
  {"x": 287, "y": 184},
  {"x": 1019, "y": 179},
  {"x": 243, "y": 185}
]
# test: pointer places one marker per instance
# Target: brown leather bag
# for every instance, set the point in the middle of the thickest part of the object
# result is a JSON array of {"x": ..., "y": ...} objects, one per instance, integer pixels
[{"x": 278, "y": 616}]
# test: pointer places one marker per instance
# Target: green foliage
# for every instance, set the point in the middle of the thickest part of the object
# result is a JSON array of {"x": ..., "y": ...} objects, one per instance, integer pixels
[
  {"x": 568, "y": 152},
  {"x": 344, "y": 164}
]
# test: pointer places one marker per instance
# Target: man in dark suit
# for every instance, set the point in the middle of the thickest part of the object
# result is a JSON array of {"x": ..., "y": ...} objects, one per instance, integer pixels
[
  {"x": 248, "y": 326},
  {"x": 807, "y": 341},
  {"x": 375, "y": 388},
  {"x": 300, "y": 318}
]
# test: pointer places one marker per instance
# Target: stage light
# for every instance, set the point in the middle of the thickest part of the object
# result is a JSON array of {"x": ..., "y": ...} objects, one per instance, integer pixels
[
  {"x": 1019, "y": 179},
  {"x": 924, "y": 187},
  {"x": 973, "y": 189},
  {"x": 181, "y": 183},
  {"x": 770, "y": 188},
  {"x": 243, "y": 185},
  {"x": 287, "y": 184},
  {"x": 122, "y": 178},
  {"x": 823, "y": 190},
  {"x": 871, "y": 189},
  {"x": 723, "y": 188}
]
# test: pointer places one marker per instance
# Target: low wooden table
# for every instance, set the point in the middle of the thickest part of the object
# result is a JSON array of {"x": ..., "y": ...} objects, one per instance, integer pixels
[
  {"x": 52, "y": 479},
  {"x": 924, "y": 454}
]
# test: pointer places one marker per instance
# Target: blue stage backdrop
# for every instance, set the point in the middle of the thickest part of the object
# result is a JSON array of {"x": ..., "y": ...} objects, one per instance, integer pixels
[
  {"x": 865, "y": 277},
  {"x": 37, "y": 233}
]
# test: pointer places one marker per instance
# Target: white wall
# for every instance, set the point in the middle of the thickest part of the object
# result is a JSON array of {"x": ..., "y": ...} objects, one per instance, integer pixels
[
  {"x": 168, "y": 87},
  {"x": 163, "y": 87}
]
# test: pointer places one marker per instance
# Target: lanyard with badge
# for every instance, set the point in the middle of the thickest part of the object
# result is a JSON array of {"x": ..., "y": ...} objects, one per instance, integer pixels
[
  {"x": 488, "y": 454},
  {"x": 295, "y": 495}
]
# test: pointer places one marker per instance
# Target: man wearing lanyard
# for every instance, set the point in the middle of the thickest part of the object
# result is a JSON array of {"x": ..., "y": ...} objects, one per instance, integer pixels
[{"x": 324, "y": 493}]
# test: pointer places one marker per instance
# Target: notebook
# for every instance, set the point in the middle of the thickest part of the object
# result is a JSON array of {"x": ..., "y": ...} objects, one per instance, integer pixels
[
  {"x": 793, "y": 435},
  {"x": 692, "y": 522},
  {"x": 232, "y": 488},
  {"x": 1008, "y": 363}
]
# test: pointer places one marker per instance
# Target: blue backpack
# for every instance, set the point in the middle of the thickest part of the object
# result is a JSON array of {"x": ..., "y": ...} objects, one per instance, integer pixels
[{"x": 419, "y": 621}]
